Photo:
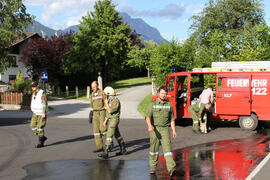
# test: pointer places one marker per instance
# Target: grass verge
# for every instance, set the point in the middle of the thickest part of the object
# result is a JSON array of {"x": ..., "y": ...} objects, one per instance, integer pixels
[
  {"x": 144, "y": 104},
  {"x": 127, "y": 83},
  {"x": 117, "y": 85}
]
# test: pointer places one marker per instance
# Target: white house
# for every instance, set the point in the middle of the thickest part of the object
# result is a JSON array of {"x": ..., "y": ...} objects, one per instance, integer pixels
[{"x": 16, "y": 52}]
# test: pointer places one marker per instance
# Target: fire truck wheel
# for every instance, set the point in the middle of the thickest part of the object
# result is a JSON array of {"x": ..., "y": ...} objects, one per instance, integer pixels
[{"x": 248, "y": 122}]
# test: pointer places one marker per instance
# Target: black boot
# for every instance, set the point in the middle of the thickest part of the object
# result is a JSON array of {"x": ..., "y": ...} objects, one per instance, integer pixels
[
  {"x": 105, "y": 155},
  {"x": 41, "y": 140},
  {"x": 123, "y": 150},
  {"x": 111, "y": 147}
]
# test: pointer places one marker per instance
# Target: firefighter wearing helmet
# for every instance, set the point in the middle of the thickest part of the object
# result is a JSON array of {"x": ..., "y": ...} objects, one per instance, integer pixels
[
  {"x": 39, "y": 109},
  {"x": 112, "y": 120}
]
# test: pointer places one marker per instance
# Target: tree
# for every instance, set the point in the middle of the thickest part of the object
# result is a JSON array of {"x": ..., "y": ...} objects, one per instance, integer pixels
[
  {"x": 20, "y": 84},
  {"x": 102, "y": 43},
  {"x": 166, "y": 57},
  {"x": 42, "y": 54},
  {"x": 219, "y": 28},
  {"x": 13, "y": 21},
  {"x": 140, "y": 56}
]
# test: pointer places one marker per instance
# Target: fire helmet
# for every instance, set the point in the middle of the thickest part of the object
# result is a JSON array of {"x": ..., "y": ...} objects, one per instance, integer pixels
[{"x": 109, "y": 91}]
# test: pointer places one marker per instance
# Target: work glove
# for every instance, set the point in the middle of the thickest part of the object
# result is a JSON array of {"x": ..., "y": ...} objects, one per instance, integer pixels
[{"x": 90, "y": 116}]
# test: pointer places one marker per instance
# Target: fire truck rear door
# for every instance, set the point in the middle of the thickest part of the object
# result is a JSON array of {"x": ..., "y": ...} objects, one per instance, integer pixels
[
  {"x": 233, "y": 95},
  {"x": 171, "y": 83}
]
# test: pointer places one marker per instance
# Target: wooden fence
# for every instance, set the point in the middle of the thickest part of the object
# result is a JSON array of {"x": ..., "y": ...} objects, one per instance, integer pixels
[{"x": 15, "y": 98}]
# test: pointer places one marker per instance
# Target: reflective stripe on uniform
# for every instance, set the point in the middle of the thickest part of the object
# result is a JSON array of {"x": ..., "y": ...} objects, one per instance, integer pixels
[
  {"x": 204, "y": 117},
  {"x": 104, "y": 133},
  {"x": 97, "y": 97},
  {"x": 153, "y": 153},
  {"x": 96, "y": 134},
  {"x": 161, "y": 107},
  {"x": 109, "y": 139},
  {"x": 33, "y": 129},
  {"x": 168, "y": 154},
  {"x": 39, "y": 129},
  {"x": 195, "y": 122}
]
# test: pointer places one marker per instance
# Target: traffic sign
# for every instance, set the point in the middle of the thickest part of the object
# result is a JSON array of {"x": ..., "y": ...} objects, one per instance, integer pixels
[{"x": 44, "y": 76}]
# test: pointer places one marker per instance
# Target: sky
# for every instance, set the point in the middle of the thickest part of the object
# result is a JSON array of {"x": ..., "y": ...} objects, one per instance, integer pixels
[{"x": 170, "y": 17}]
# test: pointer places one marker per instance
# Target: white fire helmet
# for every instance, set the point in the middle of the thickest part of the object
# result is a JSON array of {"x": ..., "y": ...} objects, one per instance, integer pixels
[{"x": 109, "y": 91}]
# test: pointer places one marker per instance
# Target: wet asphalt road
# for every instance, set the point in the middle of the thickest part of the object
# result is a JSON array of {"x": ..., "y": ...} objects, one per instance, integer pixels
[
  {"x": 68, "y": 152},
  {"x": 229, "y": 159}
]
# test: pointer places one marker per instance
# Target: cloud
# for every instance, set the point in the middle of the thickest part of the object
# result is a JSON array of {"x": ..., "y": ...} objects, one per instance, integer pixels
[
  {"x": 73, "y": 21},
  {"x": 183, "y": 21},
  {"x": 168, "y": 35},
  {"x": 166, "y": 20},
  {"x": 172, "y": 11},
  {"x": 55, "y": 8},
  {"x": 196, "y": 8}
]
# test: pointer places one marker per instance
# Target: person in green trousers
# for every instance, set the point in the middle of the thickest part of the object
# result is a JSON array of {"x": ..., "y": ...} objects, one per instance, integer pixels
[
  {"x": 113, "y": 119},
  {"x": 159, "y": 117},
  {"x": 98, "y": 102},
  {"x": 201, "y": 109},
  {"x": 39, "y": 109}
]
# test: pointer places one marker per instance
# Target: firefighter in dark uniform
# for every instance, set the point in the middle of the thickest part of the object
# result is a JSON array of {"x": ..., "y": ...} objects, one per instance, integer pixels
[
  {"x": 39, "y": 109},
  {"x": 113, "y": 119},
  {"x": 201, "y": 109},
  {"x": 98, "y": 102},
  {"x": 159, "y": 117}
]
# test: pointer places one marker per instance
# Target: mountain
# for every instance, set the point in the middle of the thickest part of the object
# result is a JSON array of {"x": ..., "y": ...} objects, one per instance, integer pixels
[{"x": 145, "y": 30}]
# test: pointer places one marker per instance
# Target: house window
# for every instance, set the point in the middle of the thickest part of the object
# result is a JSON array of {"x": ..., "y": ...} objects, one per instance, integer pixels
[
  {"x": 13, "y": 62},
  {"x": 12, "y": 77}
]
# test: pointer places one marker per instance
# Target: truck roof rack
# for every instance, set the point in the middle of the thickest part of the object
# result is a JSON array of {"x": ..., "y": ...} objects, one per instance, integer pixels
[{"x": 229, "y": 69}]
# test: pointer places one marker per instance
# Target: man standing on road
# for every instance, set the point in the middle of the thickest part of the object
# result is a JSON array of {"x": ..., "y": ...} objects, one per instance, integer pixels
[
  {"x": 39, "y": 109},
  {"x": 113, "y": 118},
  {"x": 98, "y": 102},
  {"x": 201, "y": 109},
  {"x": 159, "y": 117}
]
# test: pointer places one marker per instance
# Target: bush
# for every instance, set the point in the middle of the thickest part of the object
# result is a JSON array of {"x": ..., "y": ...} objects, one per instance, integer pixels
[{"x": 21, "y": 85}]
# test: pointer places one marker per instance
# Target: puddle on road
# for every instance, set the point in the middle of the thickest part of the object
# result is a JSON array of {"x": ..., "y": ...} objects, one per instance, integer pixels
[{"x": 230, "y": 159}]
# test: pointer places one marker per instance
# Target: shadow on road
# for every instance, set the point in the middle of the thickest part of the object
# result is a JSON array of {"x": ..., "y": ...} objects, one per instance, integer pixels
[
  {"x": 218, "y": 123},
  {"x": 13, "y": 121},
  {"x": 135, "y": 145},
  {"x": 83, "y": 138}
]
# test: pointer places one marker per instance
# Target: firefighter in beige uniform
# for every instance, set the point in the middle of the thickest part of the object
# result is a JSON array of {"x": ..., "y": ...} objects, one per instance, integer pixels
[
  {"x": 113, "y": 119},
  {"x": 39, "y": 109},
  {"x": 159, "y": 117},
  {"x": 98, "y": 102}
]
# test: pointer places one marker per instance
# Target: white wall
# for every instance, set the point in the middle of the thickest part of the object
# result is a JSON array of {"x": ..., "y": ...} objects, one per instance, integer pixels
[{"x": 14, "y": 71}]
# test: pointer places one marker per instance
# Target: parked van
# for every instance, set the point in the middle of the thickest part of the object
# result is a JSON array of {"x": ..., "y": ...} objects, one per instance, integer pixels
[{"x": 242, "y": 96}]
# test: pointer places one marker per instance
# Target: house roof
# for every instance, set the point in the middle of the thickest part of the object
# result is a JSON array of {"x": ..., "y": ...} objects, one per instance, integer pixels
[{"x": 22, "y": 38}]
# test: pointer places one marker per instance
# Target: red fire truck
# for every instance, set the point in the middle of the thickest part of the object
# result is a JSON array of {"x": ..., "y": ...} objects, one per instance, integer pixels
[{"x": 242, "y": 96}]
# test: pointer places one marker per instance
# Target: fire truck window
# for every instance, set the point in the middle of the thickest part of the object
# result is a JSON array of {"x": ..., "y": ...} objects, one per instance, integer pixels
[
  {"x": 181, "y": 83},
  {"x": 233, "y": 84},
  {"x": 196, "y": 81},
  {"x": 171, "y": 84}
]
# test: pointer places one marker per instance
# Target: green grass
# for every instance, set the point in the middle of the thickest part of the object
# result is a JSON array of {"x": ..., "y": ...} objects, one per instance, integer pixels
[
  {"x": 117, "y": 85},
  {"x": 144, "y": 104},
  {"x": 123, "y": 84}
]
